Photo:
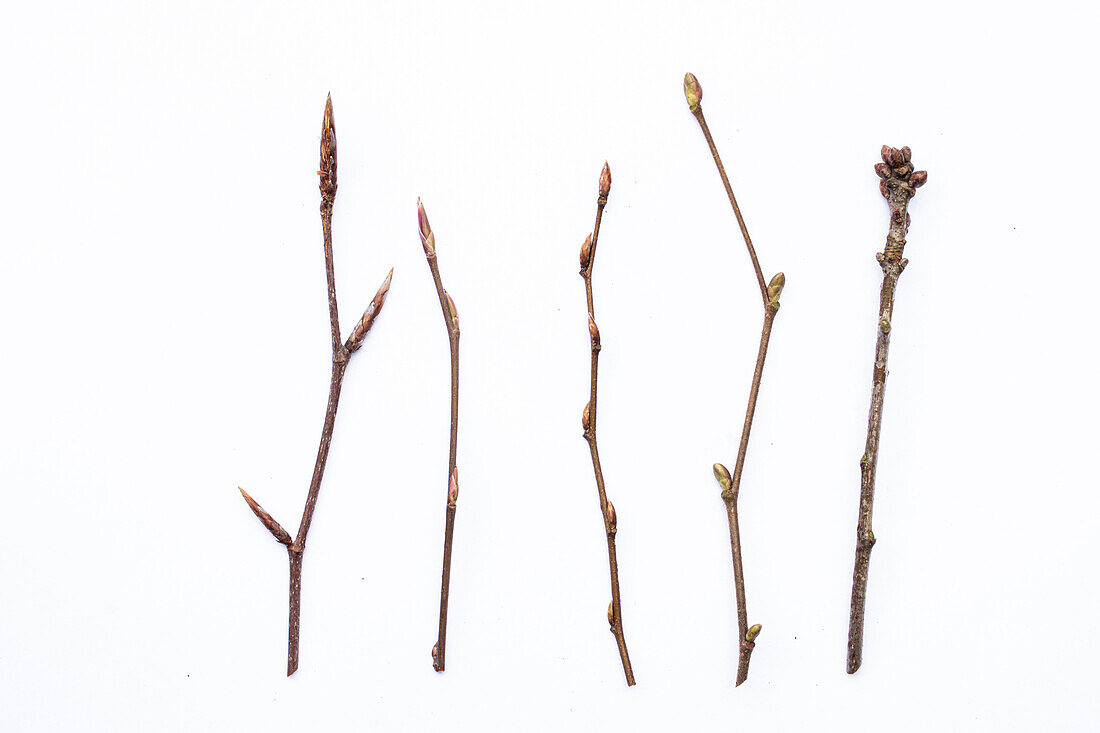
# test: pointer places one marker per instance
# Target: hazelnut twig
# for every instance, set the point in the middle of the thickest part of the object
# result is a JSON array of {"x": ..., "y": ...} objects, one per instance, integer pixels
[
  {"x": 450, "y": 319},
  {"x": 341, "y": 353},
  {"x": 588, "y": 422},
  {"x": 898, "y": 183},
  {"x": 731, "y": 483}
]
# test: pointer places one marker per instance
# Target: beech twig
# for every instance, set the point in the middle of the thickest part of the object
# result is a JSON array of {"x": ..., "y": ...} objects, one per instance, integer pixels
[
  {"x": 898, "y": 184},
  {"x": 341, "y": 352},
  {"x": 731, "y": 484},
  {"x": 450, "y": 320},
  {"x": 588, "y": 421}
]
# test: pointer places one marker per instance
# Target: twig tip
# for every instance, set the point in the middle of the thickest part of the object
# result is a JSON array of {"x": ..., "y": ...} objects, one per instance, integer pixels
[{"x": 692, "y": 91}]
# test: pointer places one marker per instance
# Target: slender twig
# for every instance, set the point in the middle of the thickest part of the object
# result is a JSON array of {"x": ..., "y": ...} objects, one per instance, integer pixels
[
  {"x": 898, "y": 184},
  {"x": 450, "y": 320},
  {"x": 731, "y": 484},
  {"x": 341, "y": 353},
  {"x": 588, "y": 421}
]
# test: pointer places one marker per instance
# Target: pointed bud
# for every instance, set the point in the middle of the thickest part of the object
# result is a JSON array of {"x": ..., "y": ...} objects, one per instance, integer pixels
[
  {"x": 907, "y": 153},
  {"x": 584, "y": 416},
  {"x": 612, "y": 519},
  {"x": 605, "y": 180},
  {"x": 611, "y": 614},
  {"x": 328, "y": 154},
  {"x": 593, "y": 332},
  {"x": 427, "y": 237},
  {"x": 753, "y": 632},
  {"x": 692, "y": 91},
  {"x": 918, "y": 179},
  {"x": 775, "y": 287},
  {"x": 452, "y": 488},
  {"x": 355, "y": 340},
  {"x": 586, "y": 251},
  {"x": 435, "y": 653},
  {"x": 724, "y": 480},
  {"x": 451, "y": 309},
  {"x": 885, "y": 154},
  {"x": 272, "y": 526},
  {"x": 895, "y": 158},
  {"x": 882, "y": 170}
]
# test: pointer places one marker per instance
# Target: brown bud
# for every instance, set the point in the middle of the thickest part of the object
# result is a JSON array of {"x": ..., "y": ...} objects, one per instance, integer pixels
[
  {"x": 885, "y": 153},
  {"x": 918, "y": 179},
  {"x": 586, "y": 251},
  {"x": 355, "y": 340},
  {"x": 452, "y": 309},
  {"x": 328, "y": 154},
  {"x": 775, "y": 287},
  {"x": 693, "y": 91},
  {"x": 611, "y": 614},
  {"x": 593, "y": 332},
  {"x": 882, "y": 170},
  {"x": 895, "y": 158},
  {"x": 435, "y": 653},
  {"x": 605, "y": 180},
  {"x": 584, "y": 416},
  {"x": 272, "y": 526},
  {"x": 427, "y": 237},
  {"x": 907, "y": 153},
  {"x": 612, "y": 519},
  {"x": 452, "y": 488}
]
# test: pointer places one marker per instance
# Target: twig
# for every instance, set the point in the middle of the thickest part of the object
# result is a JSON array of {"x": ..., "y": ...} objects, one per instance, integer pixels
[
  {"x": 731, "y": 484},
  {"x": 341, "y": 352},
  {"x": 450, "y": 320},
  {"x": 898, "y": 184},
  {"x": 588, "y": 421}
]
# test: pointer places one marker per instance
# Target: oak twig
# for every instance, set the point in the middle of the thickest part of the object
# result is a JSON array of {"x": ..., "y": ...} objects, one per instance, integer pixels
[
  {"x": 341, "y": 352},
  {"x": 899, "y": 183},
  {"x": 731, "y": 484},
  {"x": 588, "y": 422},
  {"x": 450, "y": 320}
]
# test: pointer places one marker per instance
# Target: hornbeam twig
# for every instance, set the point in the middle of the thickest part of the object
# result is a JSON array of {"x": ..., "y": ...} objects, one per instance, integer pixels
[
  {"x": 899, "y": 183},
  {"x": 450, "y": 320},
  {"x": 731, "y": 484},
  {"x": 588, "y": 422},
  {"x": 341, "y": 352}
]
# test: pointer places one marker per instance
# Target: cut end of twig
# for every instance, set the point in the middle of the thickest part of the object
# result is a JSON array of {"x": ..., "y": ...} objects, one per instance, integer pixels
[
  {"x": 725, "y": 480},
  {"x": 427, "y": 237},
  {"x": 586, "y": 252},
  {"x": 693, "y": 91},
  {"x": 273, "y": 527},
  {"x": 367, "y": 320},
  {"x": 328, "y": 153},
  {"x": 753, "y": 632},
  {"x": 605, "y": 180},
  {"x": 775, "y": 287},
  {"x": 584, "y": 416},
  {"x": 452, "y": 488}
]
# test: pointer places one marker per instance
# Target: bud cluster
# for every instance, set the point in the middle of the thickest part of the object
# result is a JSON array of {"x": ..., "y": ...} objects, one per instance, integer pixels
[{"x": 896, "y": 170}]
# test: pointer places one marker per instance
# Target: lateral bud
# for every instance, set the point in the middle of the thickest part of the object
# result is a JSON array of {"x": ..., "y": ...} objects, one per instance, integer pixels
[
  {"x": 611, "y": 614},
  {"x": 452, "y": 489},
  {"x": 593, "y": 332},
  {"x": 272, "y": 526},
  {"x": 612, "y": 519},
  {"x": 918, "y": 179},
  {"x": 775, "y": 287},
  {"x": 452, "y": 309},
  {"x": 427, "y": 237},
  {"x": 586, "y": 251},
  {"x": 693, "y": 91},
  {"x": 584, "y": 416},
  {"x": 355, "y": 340},
  {"x": 722, "y": 474},
  {"x": 435, "y": 654},
  {"x": 753, "y": 632},
  {"x": 605, "y": 180}
]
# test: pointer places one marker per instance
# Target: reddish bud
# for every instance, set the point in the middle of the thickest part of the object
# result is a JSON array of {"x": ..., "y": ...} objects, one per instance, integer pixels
[
  {"x": 882, "y": 170},
  {"x": 605, "y": 180},
  {"x": 355, "y": 340},
  {"x": 452, "y": 309},
  {"x": 435, "y": 653},
  {"x": 328, "y": 154},
  {"x": 272, "y": 526},
  {"x": 918, "y": 179},
  {"x": 907, "y": 153},
  {"x": 427, "y": 237},
  {"x": 452, "y": 488},
  {"x": 584, "y": 416},
  {"x": 885, "y": 153},
  {"x": 895, "y": 158},
  {"x": 612, "y": 519},
  {"x": 611, "y": 614},
  {"x": 586, "y": 251},
  {"x": 693, "y": 91},
  {"x": 593, "y": 332}
]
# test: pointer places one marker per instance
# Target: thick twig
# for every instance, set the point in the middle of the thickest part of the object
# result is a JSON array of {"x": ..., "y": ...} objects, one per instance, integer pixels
[
  {"x": 450, "y": 320},
  {"x": 341, "y": 352},
  {"x": 731, "y": 484},
  {"x": 588, "y": 422},
  {"x": 898, "y": 184}
]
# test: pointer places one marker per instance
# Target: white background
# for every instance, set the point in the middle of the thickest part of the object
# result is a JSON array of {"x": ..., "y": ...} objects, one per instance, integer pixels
[{"x": 165, "y": 339}]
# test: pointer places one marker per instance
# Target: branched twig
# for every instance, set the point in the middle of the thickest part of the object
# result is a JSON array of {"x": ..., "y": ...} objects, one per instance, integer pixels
[
  {"x": 450, "y": 320},
  {"x": 731, "y": 484},
  {"x": 341, "y": 352},
  {"x": 898, "y": 184},
  {"x": 588, "y": 421}
]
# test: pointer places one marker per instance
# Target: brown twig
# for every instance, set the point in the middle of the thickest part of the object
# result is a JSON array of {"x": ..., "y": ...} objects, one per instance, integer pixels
[
  {"x": 898, "y": 184},
  {"x": 731, "y": 484},
  {"x": 341, "y": 352},
  {"x": 588, "y": 421},
  {"x": 450, "y": 320}
]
